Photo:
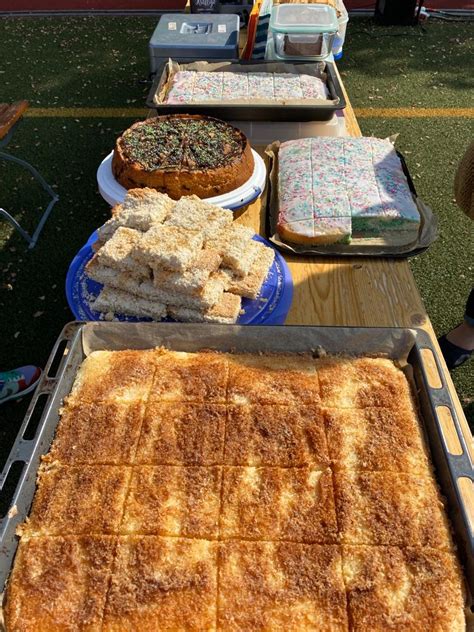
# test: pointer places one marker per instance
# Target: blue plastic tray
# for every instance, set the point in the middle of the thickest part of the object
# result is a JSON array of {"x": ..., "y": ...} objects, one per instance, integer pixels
[{"x": 271, "y": 308}]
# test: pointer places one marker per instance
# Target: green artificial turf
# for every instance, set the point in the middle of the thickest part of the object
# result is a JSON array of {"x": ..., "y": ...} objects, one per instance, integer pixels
[{"x": 103, "y": 62}]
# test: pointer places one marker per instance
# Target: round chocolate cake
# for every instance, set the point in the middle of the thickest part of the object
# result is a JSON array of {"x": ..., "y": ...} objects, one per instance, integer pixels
[{"x": 183, "y": 154}]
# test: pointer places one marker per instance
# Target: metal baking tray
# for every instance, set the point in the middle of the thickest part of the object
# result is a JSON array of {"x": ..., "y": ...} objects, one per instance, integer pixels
[
  {"x": 408, "y": 346},
  {"x": 253, "y": 112}
]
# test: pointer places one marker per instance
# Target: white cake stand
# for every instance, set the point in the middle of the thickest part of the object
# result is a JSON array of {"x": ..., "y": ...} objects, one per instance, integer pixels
[{"x": 114, "y": 193}]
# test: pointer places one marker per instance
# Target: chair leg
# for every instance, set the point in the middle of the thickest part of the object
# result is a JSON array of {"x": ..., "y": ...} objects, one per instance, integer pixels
[
  {"x": 35, "y": 173},
  {"x": 15, "y": 224},
  {"x": 54, "y": 198}
]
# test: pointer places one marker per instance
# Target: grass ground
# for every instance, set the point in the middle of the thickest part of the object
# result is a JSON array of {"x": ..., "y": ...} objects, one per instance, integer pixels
[{"x": 102, "y": 62}]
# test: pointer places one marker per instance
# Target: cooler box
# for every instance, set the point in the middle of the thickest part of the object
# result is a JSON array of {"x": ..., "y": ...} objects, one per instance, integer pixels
[{"x": 194, "y": 36}]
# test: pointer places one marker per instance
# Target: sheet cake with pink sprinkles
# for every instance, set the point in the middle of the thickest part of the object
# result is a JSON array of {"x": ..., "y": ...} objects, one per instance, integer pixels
[
  {"x": 333, "y": 189},
  {"x": 190, "y": 86}
]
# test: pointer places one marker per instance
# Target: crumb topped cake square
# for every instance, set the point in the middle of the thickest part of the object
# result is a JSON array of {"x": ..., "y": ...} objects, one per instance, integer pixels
[
  {"x": 173, "y": 501},
  {"x": 286, "y": 436},
  {"x": 273, "y": 503},
  {"x": 162, "y": 584},
  {"x": 281, "y": 586}
]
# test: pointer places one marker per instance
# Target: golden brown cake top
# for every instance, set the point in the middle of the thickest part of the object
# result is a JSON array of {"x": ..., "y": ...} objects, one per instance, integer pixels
[
  {"x": 347, "y": 382},
  {"x": 102, "y": 433},
  {"x": 391, "y": 588},
  {"x": 175, "y": 433},
  {"x": 388, "y": 508},
  {"x": 242, "y": 492},
  {"x": 174, "y": 501},
  {"x": 88, "y": 499},
  {"x": 59, "y": 584},
  {"x": 182, "y": 142},
  {"x": 273, "y": 503},
  {"x": 162, "y": 584},
  {"x": 191, "y": 377},
  {"x": 376, "y": 439},
  {"x": 286, "y": 436},
  {"x": 281, "y": 586},
  {"x": 272, "y": 379},
  {"x": 114, "y": 375}
]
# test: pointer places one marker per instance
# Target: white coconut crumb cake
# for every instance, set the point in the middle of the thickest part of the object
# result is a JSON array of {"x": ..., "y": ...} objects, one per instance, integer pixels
[{"x": 187, "y": 260}]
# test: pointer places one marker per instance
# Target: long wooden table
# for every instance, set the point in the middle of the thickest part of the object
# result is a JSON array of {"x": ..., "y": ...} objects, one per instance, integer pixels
[{"x": 364, "y": 291}]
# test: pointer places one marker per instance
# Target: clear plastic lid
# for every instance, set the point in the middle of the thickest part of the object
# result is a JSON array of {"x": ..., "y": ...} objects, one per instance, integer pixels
[{"x": 303, "y": 18}]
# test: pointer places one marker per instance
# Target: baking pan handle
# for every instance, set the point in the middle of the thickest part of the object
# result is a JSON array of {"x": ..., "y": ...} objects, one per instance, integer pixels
[
  {"x": 442, "y": 397},
  {"x": 460, "y": 464},
  {"x": 23, "y": 448}
]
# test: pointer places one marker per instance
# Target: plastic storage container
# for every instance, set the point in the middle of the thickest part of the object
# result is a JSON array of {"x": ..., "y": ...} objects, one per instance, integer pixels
[
  {"x": 303, "y": 31},
  {"x": 343, "y": 19}
]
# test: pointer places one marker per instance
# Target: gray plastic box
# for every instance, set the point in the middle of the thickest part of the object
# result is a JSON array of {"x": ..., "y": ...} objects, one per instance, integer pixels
[{"x": 194, "y": 36}]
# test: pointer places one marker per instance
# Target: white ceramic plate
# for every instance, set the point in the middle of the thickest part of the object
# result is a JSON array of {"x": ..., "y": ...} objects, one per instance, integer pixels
[{"x": 114, "y": 193}]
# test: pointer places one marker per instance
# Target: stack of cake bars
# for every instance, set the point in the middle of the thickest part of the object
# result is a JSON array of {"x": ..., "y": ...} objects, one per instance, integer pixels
[
  {"x": 206, "y": 491},
  {"x": 332, "y": 189},
  {"x": 186, "y": 259},
  {"x": 192, "y": 87}
]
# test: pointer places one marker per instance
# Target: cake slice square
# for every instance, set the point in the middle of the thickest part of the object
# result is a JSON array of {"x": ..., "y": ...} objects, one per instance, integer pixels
[
  {"x": 116, "y": 376},
  {"x": 313, "y": 87},
  {"x": 117, "y": 251},
  {"x": 297, "y": 232},
  {"x": 192, "y": 213},
  {"x": 182, "y": 85},
  {"x": 174, "y": 501},
  {"x": 273, "y": 503},
  {"x": 143, "y": 208},
  {"x": 113, "y": 301},
  {"x": 362, "y": 383},
  {"x": 172, "y": 247},
  {"x": 177, "y": 433},
  {"x": 261, "y": 86},
  {"x": 81, "y": 500},
  {"x": 233, "y": 244},
  {"x": 250, "y": 285},
  {"x": 287, "y": 86},
  {"x": 377, "y": 439},
  {"x": 162, "y": 584},
  {"x": 190, "y": 377},
  {"x": 109, "y": 276},
  {"x": 272, "y": 379},
  {"x": 192, "y": 280},
  {"x": 285, "y": 436},
  {"x": 236, "y": 86},
  {"x": 208, "y": 86},
  {"x": 101, "y": 433},
  {"x": 391, "y": 588},
  {"x": 386, "y": 508},
  {"x": 281, "y": 586},
  {"x": 226, "y": 311},
  {"x": 59, "y": 583},
  {"x": 392, "y": 209}
]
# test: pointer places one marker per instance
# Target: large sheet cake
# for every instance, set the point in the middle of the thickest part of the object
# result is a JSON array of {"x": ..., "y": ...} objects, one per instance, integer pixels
[
  {"x": 333, "y": 189},
  {"x": 209, "y": 491}
]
